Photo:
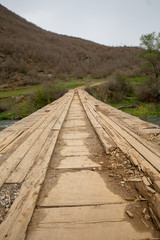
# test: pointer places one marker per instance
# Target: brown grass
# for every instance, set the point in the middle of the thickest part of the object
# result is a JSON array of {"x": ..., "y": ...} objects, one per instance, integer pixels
[{"x": 33, "y": 52}]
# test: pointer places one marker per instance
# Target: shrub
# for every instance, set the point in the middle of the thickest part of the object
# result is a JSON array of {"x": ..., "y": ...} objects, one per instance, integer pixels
[
  {"x": 3, "y": 107},
  {"x": 144, "y": 110},
  {"x": 117, "y": 88},
  {"x": 46, "y": 94},
  {"x": 25, "y": 108},
  {"x": 146, "y": 91}
]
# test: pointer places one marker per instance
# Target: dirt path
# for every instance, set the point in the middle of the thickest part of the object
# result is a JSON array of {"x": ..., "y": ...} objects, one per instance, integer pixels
[{"x": 77, "y": 200}]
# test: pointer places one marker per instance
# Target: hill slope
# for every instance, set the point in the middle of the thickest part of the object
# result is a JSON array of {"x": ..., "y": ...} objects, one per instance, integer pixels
[{"x": 29, "y": 54}]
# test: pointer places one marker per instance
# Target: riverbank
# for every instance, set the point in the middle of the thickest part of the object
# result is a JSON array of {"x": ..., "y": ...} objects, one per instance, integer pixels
[
  {"x": 121, "y": 92},
  {"x": 6, "y": 123},
  {"x": 19, "y": 102}
]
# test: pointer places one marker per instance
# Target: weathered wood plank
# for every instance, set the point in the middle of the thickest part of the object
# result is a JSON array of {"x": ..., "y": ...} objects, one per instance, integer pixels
[
  {"x": 120, "y": 140},
  {"x": 149, "y": 145},
  {"x": 105, "y": 139},
  {"x": 142, "y": 149},
  {"x": 33, "y": 134},
  {"x": 14, "y": 144},
  {"x": 9, "y": 140},
  {"x": 17, "y": 156},
  {"x": 22, "y": 209},
  {"x": 19, "y": 173}
]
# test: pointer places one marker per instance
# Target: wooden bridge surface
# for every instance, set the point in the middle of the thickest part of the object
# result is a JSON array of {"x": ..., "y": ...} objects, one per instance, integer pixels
[{"x": 56, "y": 156}]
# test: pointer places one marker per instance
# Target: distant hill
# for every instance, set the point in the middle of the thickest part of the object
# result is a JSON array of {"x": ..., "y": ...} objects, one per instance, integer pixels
[{"x": 29, "y": 54}]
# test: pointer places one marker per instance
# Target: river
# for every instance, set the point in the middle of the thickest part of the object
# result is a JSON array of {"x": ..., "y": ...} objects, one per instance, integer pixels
[
  {"x": 6, "y": 123},
  {"x": 154, "y": 120}
]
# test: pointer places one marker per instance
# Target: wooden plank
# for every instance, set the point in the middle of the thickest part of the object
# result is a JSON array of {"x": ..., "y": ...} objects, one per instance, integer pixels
[
  {"x": 123, "y": 144},
  {"x": 105, "y": 139},
  {"x": 147, "y": 144},
  {"x": 143, "y": 150},
  {"x": 60, "y": 121},
  {"x": 153, "y": 159},
  {"x": 22, "y": 209},
  {"x": 127, "y": 122},
  {"x": 5, "y": 133},
  {"x": 17, "y": 156},
  {"x": 7, "y": 141},
  {"x": 44, "y": 120},
  {"x": 19, "y": 173},
  {"x": 92, "y": 119},
  {"x": 22, "y": 150}
]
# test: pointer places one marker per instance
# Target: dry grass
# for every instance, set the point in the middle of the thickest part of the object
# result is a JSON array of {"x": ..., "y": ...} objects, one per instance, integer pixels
[{"x": 29, "y": 54}]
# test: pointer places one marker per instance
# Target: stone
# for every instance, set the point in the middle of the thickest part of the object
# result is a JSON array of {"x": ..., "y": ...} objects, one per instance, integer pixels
[
  {"x": 144, "y": 210},
  {"x": 6, "y": 210},
  {"x": 130, "y": 172},
  {"x": 145, "y": 181},
  {"x": 122, "y": 182},
  {"x": 149, "y": 180},
  {"x": 129, "y": 214},
  {"x": 101, "y": 163},
  {"x": 111, "y": 175},
  {"x": 129, "y": 199},
  {"x": 146, "y": 217},
  {"x": 151, "y": 190},
  {"x": 134, "y": 180}
]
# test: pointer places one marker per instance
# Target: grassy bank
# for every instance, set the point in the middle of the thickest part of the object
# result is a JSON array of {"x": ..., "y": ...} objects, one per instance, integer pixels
[
  {"x": 131, "y": 95},
  {"x": 16, "y": 103}
]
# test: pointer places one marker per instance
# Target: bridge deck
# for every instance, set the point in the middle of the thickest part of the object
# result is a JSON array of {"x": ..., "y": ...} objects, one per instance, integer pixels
[{"x": 55, "y": 157}]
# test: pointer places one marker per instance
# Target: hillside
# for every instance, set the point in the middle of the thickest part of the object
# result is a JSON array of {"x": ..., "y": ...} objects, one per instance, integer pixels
[{"x": 29, "y": 54}]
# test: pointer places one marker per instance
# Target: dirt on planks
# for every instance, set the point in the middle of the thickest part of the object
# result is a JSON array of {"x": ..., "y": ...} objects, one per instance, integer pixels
[
  {"x": 8, "y": 193},
  {"x": 126, "y": 180}
]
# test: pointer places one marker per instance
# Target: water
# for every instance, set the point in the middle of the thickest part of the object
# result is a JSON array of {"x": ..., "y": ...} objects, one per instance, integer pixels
[
  {"x": 154, "y": 120},
  {"x": 6, "y": 123}
]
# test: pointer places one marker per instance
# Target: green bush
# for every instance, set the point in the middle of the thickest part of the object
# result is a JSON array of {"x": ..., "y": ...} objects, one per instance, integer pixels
[
  {"x": 143, "y": 111},
  {"x": 25, "y": 108},
  {"x": 114, "y": 90},
  {"x": 47, "y": 94},
  {"x": 40, "y": 98}
]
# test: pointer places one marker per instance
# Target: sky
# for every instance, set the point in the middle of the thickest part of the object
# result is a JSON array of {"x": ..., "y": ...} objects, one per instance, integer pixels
[{"x": 108, "y": 22}]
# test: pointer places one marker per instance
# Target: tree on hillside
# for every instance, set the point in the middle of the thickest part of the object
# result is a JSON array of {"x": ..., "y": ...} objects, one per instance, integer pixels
[{"x": 150, "y": 44}]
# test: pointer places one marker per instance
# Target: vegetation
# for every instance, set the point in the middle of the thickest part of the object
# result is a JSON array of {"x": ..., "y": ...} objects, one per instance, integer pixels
[
  {"x": 30, "y": 55},
  {"x": 19, "y": 106},
  {"x": 114, "y": 90},
  {"x": 20, "y": 102},
  {"x": 140, "y": 95},
  {"x": 144, "y": 110},
  {"x": 37, "y": 67},
  {"x": 131, "y": 95},
  {"x": 150, "y": 44}
]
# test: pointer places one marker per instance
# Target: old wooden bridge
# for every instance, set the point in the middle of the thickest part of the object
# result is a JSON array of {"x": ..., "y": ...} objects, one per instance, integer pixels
[{"x": 80, "y": 169}]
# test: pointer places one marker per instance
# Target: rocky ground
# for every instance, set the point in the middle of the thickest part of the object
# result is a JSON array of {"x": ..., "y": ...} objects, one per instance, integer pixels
[{"x": 8, "y": 194}]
